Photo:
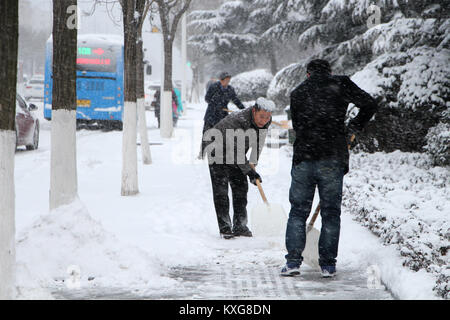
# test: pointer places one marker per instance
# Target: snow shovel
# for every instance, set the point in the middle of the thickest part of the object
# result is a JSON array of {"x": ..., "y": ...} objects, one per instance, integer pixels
[
  {"x": 311, "y": 252},
  {"x": 268, "y": 219}
]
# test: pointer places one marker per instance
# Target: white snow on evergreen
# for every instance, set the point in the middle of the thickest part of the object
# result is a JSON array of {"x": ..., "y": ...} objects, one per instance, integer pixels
[{"x": 252, "y": 84}]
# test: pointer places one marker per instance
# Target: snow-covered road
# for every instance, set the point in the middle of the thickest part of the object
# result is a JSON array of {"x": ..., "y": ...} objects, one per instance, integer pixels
[{"x": 163, "y": 243}]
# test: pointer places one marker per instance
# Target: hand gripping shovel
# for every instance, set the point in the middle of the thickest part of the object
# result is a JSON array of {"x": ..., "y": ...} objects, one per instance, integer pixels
[
  {"x": 267, "y": 219},
  {"x": 311, "y": 252}
]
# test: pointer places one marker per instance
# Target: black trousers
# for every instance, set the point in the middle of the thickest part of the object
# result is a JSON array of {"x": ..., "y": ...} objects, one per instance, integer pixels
[
  {"x": 223, "y": 175},
  {"x": 206, "y": 126}
]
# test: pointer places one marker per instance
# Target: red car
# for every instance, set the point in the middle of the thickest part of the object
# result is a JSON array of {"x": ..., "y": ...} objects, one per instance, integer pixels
[{"x": 27, "y": 125}]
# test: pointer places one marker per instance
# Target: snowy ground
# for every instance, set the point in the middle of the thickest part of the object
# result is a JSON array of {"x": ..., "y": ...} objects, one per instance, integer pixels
[{"x": 164, "y": 242}]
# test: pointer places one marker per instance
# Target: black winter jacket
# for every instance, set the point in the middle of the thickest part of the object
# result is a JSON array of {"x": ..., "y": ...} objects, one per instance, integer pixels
[
  {"x": 318, "y": 109},
  {"x": 218, "y": 98}
]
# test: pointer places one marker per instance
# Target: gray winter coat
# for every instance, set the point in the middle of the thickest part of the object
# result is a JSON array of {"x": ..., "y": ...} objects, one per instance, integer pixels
[{"x": 237, "y": 132}]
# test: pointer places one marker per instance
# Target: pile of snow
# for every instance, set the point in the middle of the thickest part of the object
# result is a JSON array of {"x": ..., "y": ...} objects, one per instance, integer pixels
[
  {"x": 68, "y": 239},
  {"x": 251, "y": 85},
  {"x": 402, "y": 199}
]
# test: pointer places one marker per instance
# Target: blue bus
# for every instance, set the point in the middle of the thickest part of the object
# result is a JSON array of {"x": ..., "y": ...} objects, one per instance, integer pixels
[{"x": 100, "y": 67}]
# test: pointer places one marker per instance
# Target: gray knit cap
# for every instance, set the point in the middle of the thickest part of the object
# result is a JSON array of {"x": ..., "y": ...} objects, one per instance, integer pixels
[{"x": 224, "y": 75}]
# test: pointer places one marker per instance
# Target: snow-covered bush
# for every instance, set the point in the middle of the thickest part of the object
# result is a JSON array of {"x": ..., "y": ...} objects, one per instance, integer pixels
[
  {"x": 413, "y": 90},
  {"x": 401, "y": 198},
  {"x": 284, "y": 82},
  {"x": 438, "y": 142},
  {"x": 251, "y": 85}
]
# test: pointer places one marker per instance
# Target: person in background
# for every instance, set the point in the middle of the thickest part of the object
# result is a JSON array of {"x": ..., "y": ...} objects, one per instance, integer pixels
[
  {"x": 218, "y": 96},
  {"x": 179, "y": 103},
  {"x": 210, "y": 82},
  {"x": 157, "y": 104}
]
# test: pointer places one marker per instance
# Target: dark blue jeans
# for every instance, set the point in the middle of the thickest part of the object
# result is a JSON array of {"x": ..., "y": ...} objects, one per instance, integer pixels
[{"x": 328, "y": 176}]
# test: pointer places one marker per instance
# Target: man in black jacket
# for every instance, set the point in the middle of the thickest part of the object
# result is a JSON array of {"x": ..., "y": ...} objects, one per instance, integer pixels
[
  {"x": 218, "y": 95},
  {"x": 228, "y": 165},
  {"x": 321, "y": 158}
]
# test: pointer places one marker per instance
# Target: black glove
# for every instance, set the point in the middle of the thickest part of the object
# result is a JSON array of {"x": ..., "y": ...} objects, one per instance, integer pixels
[{"x": 253, "y": 176}]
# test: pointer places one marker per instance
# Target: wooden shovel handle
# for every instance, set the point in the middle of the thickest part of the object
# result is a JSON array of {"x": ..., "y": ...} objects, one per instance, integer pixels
[
  {"x": 283, "y": 124},
  {"x": 261, "y": 192},
  {"x": 258, "y": 184},
  {"x": 315, "y": 215},
  {"x": 351, "y": 140}
]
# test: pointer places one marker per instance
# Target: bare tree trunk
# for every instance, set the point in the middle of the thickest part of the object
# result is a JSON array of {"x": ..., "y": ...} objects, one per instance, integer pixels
[
  {"x": 273, "y": 61},
  {"x": 168, "y": 47},
  {"x": 170, "y": 14},
  {"x": 140, "y": 92},
  {"x": 9, "y": 34},
  {"x": 63, "y": 172},
  {"x": 166, "y": 112},
  {"x": 129, "y": 149}
]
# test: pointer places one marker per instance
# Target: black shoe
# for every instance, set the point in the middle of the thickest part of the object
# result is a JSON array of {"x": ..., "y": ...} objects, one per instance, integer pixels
[
  {"x": 243, "y": 233},
  {"x": 227, "y": 235}
]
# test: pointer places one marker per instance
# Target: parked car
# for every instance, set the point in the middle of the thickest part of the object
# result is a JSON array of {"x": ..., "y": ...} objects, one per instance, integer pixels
[
  {"x": 27, "y": 125},
  {"x": 35, "y": 88}
]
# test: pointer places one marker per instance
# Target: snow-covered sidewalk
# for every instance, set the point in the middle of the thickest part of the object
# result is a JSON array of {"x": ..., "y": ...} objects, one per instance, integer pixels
[{"x": 164, "y": 242}]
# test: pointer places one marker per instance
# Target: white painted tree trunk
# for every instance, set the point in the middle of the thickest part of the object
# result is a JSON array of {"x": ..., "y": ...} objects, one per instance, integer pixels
[
  {"x": 166, "y": 115},
  {"x": 7, "y": 212},
  {"x": 63, "y": 169},
  {"x": 146, "y": 155},
  {"x": 129, "y": 150}
]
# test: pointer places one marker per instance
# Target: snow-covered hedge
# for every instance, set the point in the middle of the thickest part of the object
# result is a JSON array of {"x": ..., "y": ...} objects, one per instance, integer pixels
[
  {"x": 438, "y": 142},
  {"x": 252, "y": 84},
  {"x": 413, "y": 90},
  {"x": 284, "y": 82},
  {"x": 401, "y": 198}
]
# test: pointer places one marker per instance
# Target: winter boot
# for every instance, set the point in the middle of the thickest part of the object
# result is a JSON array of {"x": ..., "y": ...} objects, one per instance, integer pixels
[
  {"x": 328, "y": 271},
  {"x": 291, "y": 269},
  {"x": 226, "y": 235},
  {"x": 243, "y": 233}
]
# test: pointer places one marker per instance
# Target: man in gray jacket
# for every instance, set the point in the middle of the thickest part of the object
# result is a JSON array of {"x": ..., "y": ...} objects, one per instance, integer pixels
[{"x": 228, "y": 165}]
